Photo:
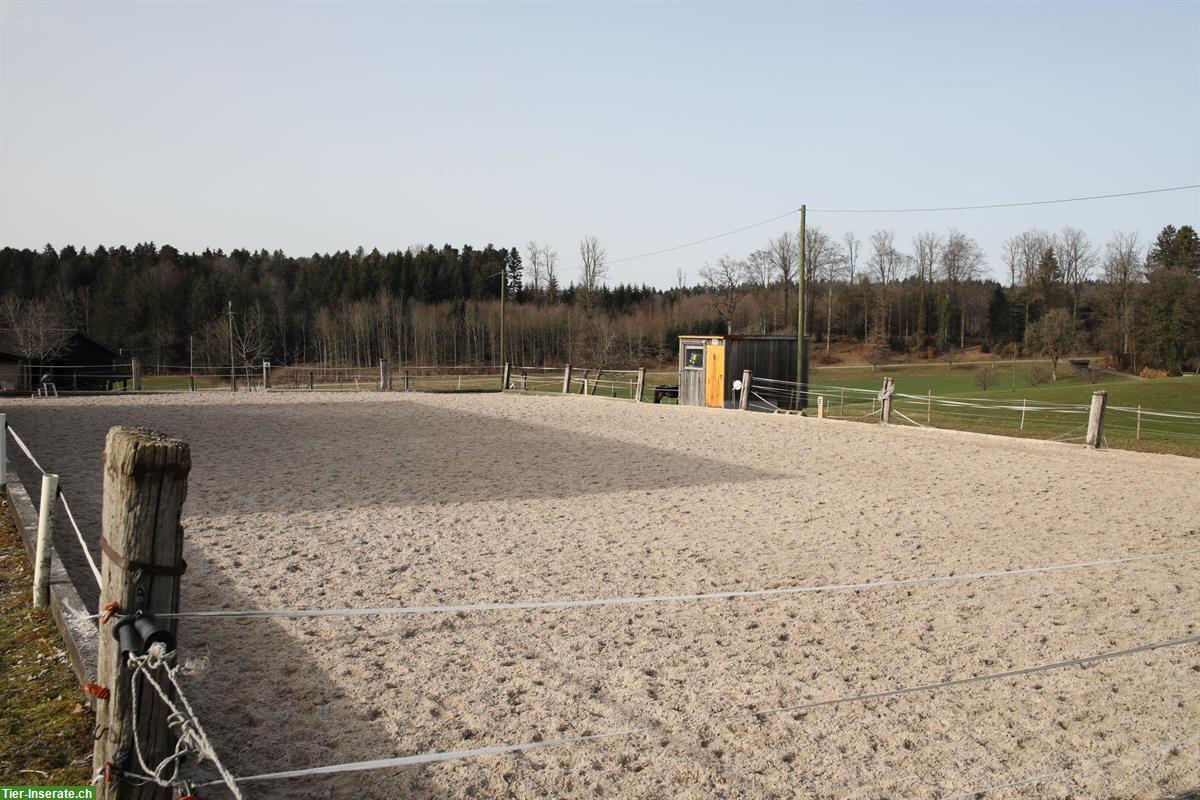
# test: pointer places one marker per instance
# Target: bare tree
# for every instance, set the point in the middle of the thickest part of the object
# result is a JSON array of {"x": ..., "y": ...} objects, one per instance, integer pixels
[
  {"x": 37, "y": 329},
  {"x": 1054, "y": 336},
  {"x": 1078, "y": 259},
  {"x": 852, "y": 247},
  {"x": 550, "y": 264},
  {"x": 783, "y": 259},
  {"x": 252, "y": 337},
  {"x": 759, "y": 273},
  {"x": 819, "y": 250},
  {"x": 535, "y": 269},
  {"x": 594, "y": 269},
  {"x": 962, "y": 260},
  {"x": 1122, "y": 266},
  {"x": 927, "y": 248},
  {"x": 726, "y": 282},
  {"x": 831, "y": 269}
]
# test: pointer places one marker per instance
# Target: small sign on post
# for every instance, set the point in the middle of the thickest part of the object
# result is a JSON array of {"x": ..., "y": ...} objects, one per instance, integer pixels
[{"x": 820, "y": 406}]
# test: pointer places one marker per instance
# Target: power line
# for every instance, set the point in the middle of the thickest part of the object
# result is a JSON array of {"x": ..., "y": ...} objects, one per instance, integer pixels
[
  {"x": 903, "y": 211},
  {"x": 1002, "y": 205}
]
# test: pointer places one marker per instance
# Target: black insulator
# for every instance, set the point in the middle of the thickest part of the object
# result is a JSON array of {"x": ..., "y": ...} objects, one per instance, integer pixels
[
  {"x": 151, "y": 633},
  {"x": 125, "y": 633}
]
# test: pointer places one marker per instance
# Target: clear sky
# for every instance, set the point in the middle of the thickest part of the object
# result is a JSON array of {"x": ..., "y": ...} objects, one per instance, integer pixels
[{"x": 314, "y": 127}]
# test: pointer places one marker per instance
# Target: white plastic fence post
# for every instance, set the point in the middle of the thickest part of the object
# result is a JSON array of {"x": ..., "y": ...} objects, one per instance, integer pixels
[
  {"x": 3, "y": 447},
  {"x": 41, "y": 564},
  {"x": 1139, "y": 429},
  {"x": 1022, "y": 415},
  {"x": 820, "y": 406},
  {"x": 1095, "y": 429}
]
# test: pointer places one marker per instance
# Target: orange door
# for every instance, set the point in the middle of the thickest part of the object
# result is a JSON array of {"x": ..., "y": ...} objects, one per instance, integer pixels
[{"x": 714, "y": 386}]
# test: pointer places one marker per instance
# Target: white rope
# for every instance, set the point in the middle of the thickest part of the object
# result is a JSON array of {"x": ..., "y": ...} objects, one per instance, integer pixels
[
  {"x": 25, "y": 450},
  {"x": 624, "y": 601},
  {"x": 82, "y": 544},
  {"x": 1099, "y": 763},
  {"x": 432, "y": 758},
  {"x": 191, "y": 735},
  {"x": 78, "y": 533}
]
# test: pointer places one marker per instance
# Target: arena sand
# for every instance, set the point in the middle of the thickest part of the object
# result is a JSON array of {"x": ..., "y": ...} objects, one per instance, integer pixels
[{"x": 322, "y": 500}]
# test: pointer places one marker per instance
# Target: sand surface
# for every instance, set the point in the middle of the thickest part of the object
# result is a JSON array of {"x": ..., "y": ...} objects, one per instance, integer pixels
[{"x": 303, "y": 500}]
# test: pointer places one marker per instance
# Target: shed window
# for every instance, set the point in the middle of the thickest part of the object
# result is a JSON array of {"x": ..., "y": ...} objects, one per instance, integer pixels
[{"x": 693, "y": 357}]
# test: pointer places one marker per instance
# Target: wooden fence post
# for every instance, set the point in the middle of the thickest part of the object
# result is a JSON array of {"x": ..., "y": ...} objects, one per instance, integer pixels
[
  {"x": 820, "y": 406},
  {"x": 135, "y": 367},
  {"x": 504, "y": 378},
  {"x": 566, "y": 379},
  {"x": 641, "y": 385},
  {"x": 41, "y": 562},
  {"x": 744, "y": 396},
  {"x": 266, "y": 375},
  {"x": 4, "y": 447},
  {"x": 885, "y": 396},
  {"x": 385, "y": 375},
  {"x": 1023, "y": 403},
  {"x": 928, "y": 406},
  {"x": 1095, "y": 428},
  {"x": 310, "y": 380},
  {"x": 145, "y": 484},
  {"x": 1137, "y": 439}
]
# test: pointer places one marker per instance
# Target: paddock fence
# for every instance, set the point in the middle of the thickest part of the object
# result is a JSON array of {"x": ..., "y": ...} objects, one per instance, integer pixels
[{"x": 168, "y": 749}]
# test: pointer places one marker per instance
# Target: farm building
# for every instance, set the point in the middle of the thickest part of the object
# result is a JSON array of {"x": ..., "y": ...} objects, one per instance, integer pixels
[
  {"x": 709, "y": 365},
  {"x": 83, "y": 364}
]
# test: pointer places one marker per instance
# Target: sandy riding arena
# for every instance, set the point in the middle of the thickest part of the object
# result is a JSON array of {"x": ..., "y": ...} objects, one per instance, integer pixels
[{"x": 401, "y": 500}]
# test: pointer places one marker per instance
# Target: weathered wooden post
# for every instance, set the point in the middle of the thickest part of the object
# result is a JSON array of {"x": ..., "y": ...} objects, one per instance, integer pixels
[
  {"x": 1137, "y": 439},
  {"x": 928, "y": 406},
  {"x": 566, "y": 379},
  {"x": 504, "y": 378},
  {"x": 525, "y": 381},
  {"x": 385, "y": 375},
  {"x": 744, "y": 396},
  {"x": 4, "y": 447},
  {"x": 41, "y": 563},
  {"x": 310, "y": 380},
  {"x": 885, "y": 397},
  {"x": 1022, "y": 426},
  {"x": 135, "y": 367},
  {"x": 266, "y": 368},
  {"x": 191, "y": 383},
  {"x": 407, "y": 381},
  {"x": 641, "y": 384},
  {"x": 1095, "y": 428},
  {"x": 820, "y": 406},
  {"x": 145, "y": 484}
]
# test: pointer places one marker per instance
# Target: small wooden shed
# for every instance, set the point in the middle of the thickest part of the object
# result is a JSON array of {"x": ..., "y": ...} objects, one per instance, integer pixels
[{"x": 708, "y": 365}]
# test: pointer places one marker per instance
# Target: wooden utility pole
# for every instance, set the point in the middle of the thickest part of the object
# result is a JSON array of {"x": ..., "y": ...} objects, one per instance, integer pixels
[
  {"x": 191, "y": 366},
  {"x": 145, "y": 483},
  {"x": 232, "y": 367},
  {"x": 503, "y": 297},
  {"x": 801, "y": 338}
]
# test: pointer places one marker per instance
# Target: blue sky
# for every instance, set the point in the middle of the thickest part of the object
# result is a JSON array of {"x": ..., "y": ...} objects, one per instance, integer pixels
[{"x": 314, "y": 127}]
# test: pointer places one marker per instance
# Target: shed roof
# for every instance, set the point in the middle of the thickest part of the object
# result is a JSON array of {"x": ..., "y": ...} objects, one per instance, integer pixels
[{"x": 738, "y": 338}]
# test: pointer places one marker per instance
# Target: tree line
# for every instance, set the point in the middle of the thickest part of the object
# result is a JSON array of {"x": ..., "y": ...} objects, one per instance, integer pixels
[{"x": 441, "y": 306}]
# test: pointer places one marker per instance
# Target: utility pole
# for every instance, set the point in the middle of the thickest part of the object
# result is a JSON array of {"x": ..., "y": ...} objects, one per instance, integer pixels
[
  {"x": 801, "y": 338},
  {"x": 232, "y": 366},
  {"x": 503, "y": 294}
]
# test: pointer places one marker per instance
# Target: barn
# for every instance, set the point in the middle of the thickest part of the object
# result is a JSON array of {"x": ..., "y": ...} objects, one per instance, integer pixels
[
  {"x": 82, "y": 364},
  {"x": 709, "y": 365}
]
